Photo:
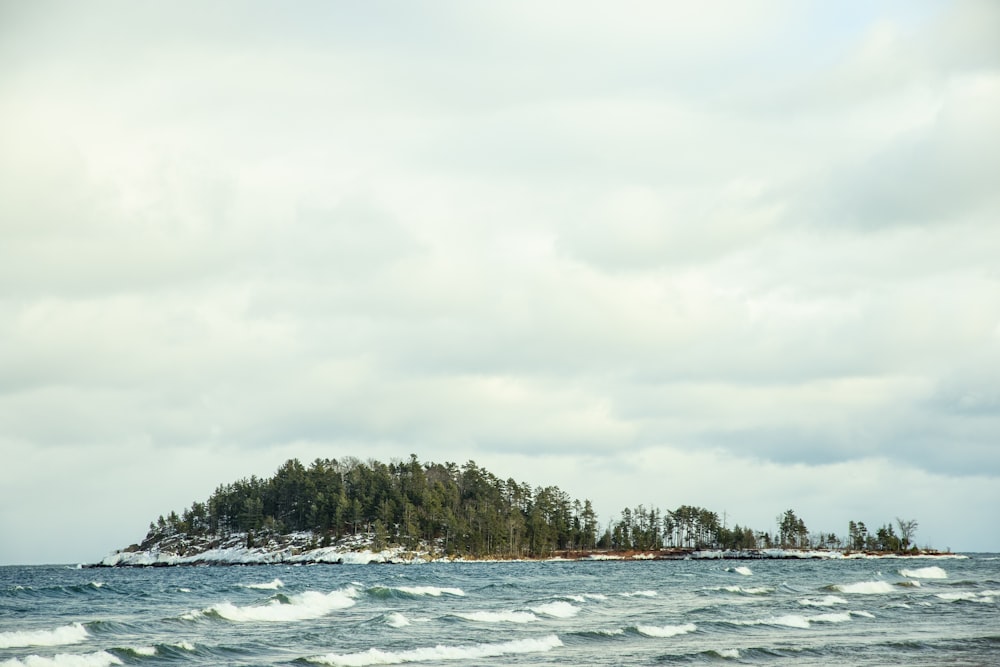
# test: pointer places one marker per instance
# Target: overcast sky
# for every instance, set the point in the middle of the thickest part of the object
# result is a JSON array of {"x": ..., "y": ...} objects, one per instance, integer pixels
[{"x": 738, "y": 255}]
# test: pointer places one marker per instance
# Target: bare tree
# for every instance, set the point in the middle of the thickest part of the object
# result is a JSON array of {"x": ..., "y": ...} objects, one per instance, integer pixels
[{"x": 906, "y": 531}]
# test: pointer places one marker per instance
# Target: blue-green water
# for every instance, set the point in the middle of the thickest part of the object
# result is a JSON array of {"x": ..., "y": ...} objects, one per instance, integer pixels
[{"x": 863, "y": 612}]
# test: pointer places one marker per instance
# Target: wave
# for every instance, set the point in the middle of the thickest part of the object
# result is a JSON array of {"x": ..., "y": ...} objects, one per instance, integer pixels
[
  {"x": 864, "y": 587},
  {"x": 825, "y": 601},
  {"x": 557, "y": 609},
  {"x": 726, "y": 653},
  {"x": 740, "y": 569},
  {"x": 931, "y": 572},
  {"x": 986, "y": 596},
  {"x": 756, "y": 590},
  {"x": 498, "y": 616},
  {"x": 414, "y": 591},
  {"x": 440, "y": 652},
  {"x": 799, "y": 621},
  {"x": 665, "y": 630},
  {"x": 396, "y": 620},
  {"x": 300, "y": 607},
  {"x": 61, "y": 636},
  {"x": 139, "y": 651},
  {"x": 269, "y": 586},
  {"x": 641, "y": 594},
  {"x": 584, "y": 597},
  {"x": 98, "y": 659}
]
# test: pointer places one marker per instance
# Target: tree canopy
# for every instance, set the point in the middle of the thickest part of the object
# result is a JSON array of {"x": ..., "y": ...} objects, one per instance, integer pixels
[{"x": 466, "y": 510}]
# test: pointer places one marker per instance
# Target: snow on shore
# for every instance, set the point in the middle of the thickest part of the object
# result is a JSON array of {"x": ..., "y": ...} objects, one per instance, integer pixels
[{"x": 301, "y": 548}]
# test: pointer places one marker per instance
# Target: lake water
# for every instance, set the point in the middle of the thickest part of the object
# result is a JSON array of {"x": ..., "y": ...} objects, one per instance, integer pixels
[{"x": 854, "y": 612}]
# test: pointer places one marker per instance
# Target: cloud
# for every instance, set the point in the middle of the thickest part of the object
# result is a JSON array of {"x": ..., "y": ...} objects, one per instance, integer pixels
[{"x": 756, "y": 241}]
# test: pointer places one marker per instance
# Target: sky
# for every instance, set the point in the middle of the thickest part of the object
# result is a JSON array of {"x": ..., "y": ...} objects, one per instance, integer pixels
[{"x": 736, "y": 255}]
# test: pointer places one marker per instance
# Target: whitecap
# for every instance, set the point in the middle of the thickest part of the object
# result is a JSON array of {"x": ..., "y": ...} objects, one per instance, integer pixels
[
  {"x": 744, "y": 570},
  {"x": 986, "y": 596},
  {"x": 98, "y": 659},
  {"x": 557, "y": 609},
  {"x": 666, "y": 630},
  {"x": 865, "y": 587},
  {"x": 932, "y": 572},
  {"x": 862, "y": 613},
  {"x": 433, "y": 591},
  {"x": 61, "y": 636},
  {"x": 269, "y": 586},
  {"x": 583, "y": 598},
  {"x": 396, "y": 620},
  {"x": 439, "y": 653},
  {"x": 184, "y": 645},
  {"x": 756, "y": 590},
  {"x": 799, "y": 621},
  {"x": 641, "y": 594},
  {"x": 500, "y": 616},
  {"x": 144, "y": 650},
  {"x": 826, "y": 601},
  {"x": 300, "y": 607},
  {"x": 727, "y": 653}
]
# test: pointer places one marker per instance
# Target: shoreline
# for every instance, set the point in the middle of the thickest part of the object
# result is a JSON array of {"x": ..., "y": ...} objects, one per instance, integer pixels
[{"x": 357, "y": 553}]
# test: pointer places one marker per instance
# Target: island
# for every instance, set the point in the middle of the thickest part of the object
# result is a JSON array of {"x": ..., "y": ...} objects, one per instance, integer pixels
[{"x": 408, "y": 511}]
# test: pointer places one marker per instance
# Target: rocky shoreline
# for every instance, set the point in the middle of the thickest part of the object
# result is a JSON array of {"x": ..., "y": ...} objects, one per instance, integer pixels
[{"x": 304, "y": 549}]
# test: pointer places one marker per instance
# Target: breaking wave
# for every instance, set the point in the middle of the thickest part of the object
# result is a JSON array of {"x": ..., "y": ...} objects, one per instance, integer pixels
[
  {"x": 396, "y": 620},
  {"x": 641, "y": 594},
  {"x": 799, "y": 621},
  {"x": 985, "y": 596},
  {"x": 865, "y": 587},
  {"x": 61, "y": 636},
  {"x": 756, "y": 590},
  {"x": 825, "y": 601},
  {"x": 498, "y": 616},
  {"x": 932, "y": 572},
  {"x": 665, "y": 630},
  {"x": 269, "y": 586},
  {"x": 440, "y": 652},
  {"x": 584, "y": 597},
  {"x": 557, "y": 609},
  {"x": 98, "y": 659},
  {"x": 300, "y": 607},
  {"x": 414, "y": 591}
]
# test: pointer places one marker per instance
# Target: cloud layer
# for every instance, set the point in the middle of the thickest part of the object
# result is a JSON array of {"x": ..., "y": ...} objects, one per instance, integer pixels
[{"x": 649, "y": 242}]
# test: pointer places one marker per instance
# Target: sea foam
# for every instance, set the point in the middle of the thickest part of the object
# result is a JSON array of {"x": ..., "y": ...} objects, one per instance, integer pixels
[
  {"x": 865, "y": 587},
  {"x": 98, "y": 659},
  {"x": 932, "y": 572},
  {"x": 439, "y": 653},
  {"x": 799, "y": 621},
  {"x": 557, "y": 609},
  {"x": 433, "y": 591},
  {"x": 756, "y": 590},
  {"x": 825, "y": 601},
  {"x": 986, "y": 596},
  {"x": 396, "y": 620},
  {"x": 61, "y": 636},
  {"x": 269, "y": 586},
  {"x": 665, "y": 630},
  {"x": 300, "y": 607},
  {"x": 498, "y": 616}
]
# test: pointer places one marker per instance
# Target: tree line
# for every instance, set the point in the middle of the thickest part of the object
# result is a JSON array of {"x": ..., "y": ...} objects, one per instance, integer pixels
[{"x": 466, "y": 510}]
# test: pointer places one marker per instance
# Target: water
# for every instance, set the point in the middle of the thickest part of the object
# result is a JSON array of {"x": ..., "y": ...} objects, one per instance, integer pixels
[{"x": 864, "y": 612}]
